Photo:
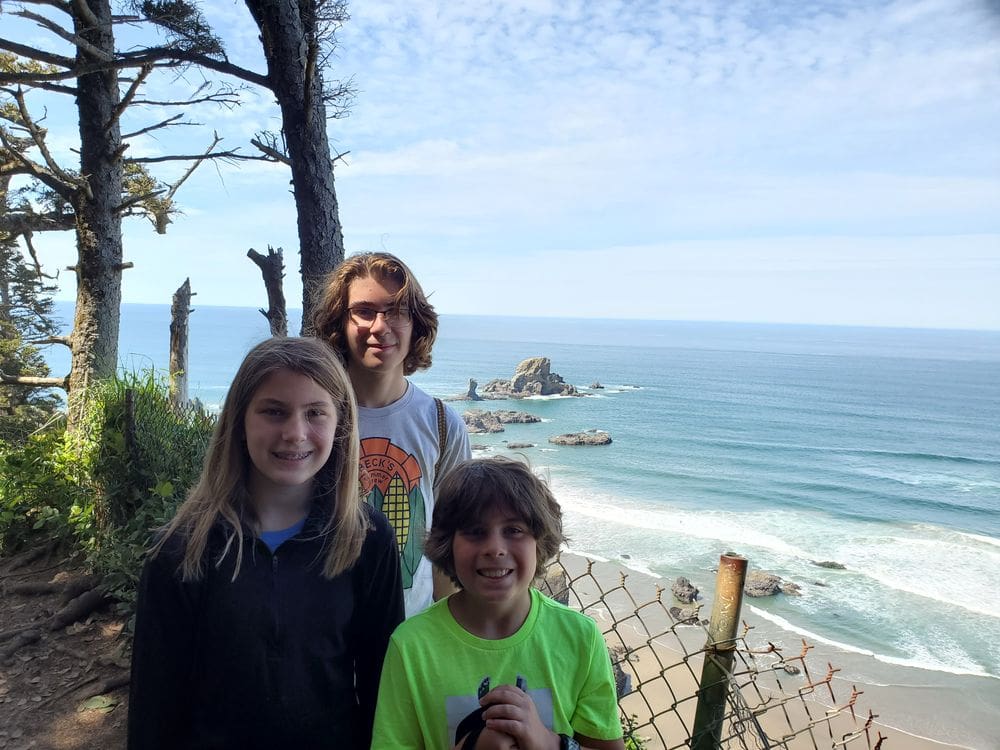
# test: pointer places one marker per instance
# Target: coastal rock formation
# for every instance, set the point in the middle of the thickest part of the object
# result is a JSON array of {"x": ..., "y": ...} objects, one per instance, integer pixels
[
  {"x": 623, "y": 680},
  {"x": 759, "y": 583},
  {"x": 829, "y": 564},
  {"x": 518, "y": 446},
  {"x": 478, "y": 422},
  {"x": 479, "y": 447},
  {"x": 683, "y": 591},
  {"x": 687, "y": 615},
  {"x": 509, "y": 416},
  {"x": 791, "y": 589},
  {"x": 555, "y": 585},
  {"x": 471, "y": 395},
  {"x": 596, "y": 386},
  {"x": 587, "y": 437},
  {"x": 532, "y": 377}
]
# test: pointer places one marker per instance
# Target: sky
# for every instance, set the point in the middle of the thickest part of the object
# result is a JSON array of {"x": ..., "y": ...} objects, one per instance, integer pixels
[{"x": 797, "y": 162}]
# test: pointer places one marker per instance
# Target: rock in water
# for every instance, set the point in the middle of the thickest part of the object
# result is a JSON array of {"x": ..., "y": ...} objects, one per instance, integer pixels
[
  {"x": 791, "y": 589},
  {"x": 532, "y": 377},
  {"x": 759, "y": 583},
  {"x": 481, "y": 421},
  {"x": 509, "y": 416},
  {"x": 588, "y": 437},
  {"x": 471, "y": 394},
  {"x": 832, "y": 565},
  {"x": 683, "y": 591}
]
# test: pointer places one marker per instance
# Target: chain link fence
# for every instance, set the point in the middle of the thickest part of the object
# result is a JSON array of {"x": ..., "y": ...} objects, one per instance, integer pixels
[{"x": 771, "y": 699}]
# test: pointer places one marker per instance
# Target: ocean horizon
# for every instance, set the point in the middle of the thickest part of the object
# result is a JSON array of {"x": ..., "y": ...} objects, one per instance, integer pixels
[{"x": 876, "y": 448}]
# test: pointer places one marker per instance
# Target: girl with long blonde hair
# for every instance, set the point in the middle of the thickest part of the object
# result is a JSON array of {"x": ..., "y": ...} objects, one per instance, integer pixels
[{"x": 266, "y": 604}]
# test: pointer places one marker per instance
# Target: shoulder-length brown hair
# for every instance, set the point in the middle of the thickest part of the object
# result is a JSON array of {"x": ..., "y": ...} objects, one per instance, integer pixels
[
  {"x": 222, "y": 496},
  {"x": 478, "y": 486},
  {"x": 330, "y": 318}
]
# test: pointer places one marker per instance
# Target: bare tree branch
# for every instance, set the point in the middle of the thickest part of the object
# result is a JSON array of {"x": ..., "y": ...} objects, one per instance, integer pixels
[
  {"x": 188, "y": 157},
  {"x": 80, "y": 43},
  {"x": 126, "y": 100},
  {"x": 135, "y": 200},
  {"x": 166, "y": 123},
  {"x": 64, "y": 340},
  {"x": 57, "y": 4},
  {"x": 63, "y": 182},
  {"x": 173, "y": 56},
  {"x": 33, "y": 54},
  {"x": 271, "y": 153},
  {"x": 157, "y": 56},
  {"x": 16, "y": 224},
  {"x": 216, "y": 140},
  {"x": 43, "y": 175},
  {"x": 34, "y": 382},
  {"x": 34, "y": 257}
]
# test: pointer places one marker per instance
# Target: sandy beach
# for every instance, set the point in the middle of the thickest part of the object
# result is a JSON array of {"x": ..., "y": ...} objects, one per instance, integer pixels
[{"x": 805, "y": 710}]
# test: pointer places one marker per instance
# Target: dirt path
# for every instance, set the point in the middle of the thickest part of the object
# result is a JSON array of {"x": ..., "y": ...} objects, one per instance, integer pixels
[{"x": 51, "y": 678}]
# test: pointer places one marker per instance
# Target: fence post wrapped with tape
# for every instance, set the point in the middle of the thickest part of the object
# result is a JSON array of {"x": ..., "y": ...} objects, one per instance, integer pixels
[{"x": 719, "y": 652}]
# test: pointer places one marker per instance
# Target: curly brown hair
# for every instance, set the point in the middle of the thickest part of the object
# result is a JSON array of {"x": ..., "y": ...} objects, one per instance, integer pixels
[
  {"x": 479, "y": 485},
  {"x": 330, "y": 318}
]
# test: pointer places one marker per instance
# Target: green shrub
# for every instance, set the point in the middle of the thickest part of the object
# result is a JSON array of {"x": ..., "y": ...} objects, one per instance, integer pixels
[
  {"x": 107, "y": 486},
  {"x": 43, "y": 491},
  {"x": 142, "y": 456},
  {"x": 633, "y": 741}
]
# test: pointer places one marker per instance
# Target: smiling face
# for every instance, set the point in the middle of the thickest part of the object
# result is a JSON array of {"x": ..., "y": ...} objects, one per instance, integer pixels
[
  {"x": 290, "y": 426},
  {"x": 377, "y": 346},
  {"x": 496, "y": 560}
]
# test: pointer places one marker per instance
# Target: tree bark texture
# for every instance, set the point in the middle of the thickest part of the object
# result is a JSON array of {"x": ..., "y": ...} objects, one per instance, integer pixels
[
  {"x": 98, "y": 223},
  {"x": 179, "y": 311},
  {"x": 273, "y": 270},
  {"x": 288, "y": 31}
]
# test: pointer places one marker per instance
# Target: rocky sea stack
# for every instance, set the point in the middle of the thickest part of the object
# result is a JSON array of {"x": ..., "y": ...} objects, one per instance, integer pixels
[{"x": 533, "y": 377}]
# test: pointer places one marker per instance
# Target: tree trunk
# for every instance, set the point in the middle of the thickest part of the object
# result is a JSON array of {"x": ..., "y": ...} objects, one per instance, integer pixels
[
  {"x": 98, "y": 223},
  {"x": 273, "y": 270},
  {"x": 179, "y": 345},
  {"x": 291, "y": 50}
]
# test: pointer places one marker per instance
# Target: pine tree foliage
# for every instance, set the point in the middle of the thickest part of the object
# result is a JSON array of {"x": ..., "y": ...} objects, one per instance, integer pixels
[{"x": 25, "y": 321}]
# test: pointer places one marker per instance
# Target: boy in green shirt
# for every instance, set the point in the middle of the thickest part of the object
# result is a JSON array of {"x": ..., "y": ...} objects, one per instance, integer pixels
[{"x": 495, "y": 526}]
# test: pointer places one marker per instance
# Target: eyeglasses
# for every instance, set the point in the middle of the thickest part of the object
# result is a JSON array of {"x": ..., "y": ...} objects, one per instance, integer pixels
[{"x": 365, "y": 316}]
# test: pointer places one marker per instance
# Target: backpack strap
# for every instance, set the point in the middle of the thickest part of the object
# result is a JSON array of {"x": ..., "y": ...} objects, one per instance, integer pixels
[{"x": 442, "y": 436}]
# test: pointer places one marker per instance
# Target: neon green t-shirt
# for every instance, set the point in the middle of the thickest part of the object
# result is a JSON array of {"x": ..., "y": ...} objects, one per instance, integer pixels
[{"x": 434, "y": 667}]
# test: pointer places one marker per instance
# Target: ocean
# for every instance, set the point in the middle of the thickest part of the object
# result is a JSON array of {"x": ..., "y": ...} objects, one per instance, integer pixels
[{"x": 875, "y": 448}]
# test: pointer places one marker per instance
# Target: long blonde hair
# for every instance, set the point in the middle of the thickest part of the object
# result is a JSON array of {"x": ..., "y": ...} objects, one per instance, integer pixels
[{"x": 222, "y": 495}]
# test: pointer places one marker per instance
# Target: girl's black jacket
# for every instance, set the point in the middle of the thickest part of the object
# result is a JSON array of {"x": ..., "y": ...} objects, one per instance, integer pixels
[{"x": 279, "y": 658}]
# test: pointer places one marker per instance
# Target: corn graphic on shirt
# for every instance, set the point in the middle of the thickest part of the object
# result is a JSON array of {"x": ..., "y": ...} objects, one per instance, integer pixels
[{"x": 399, "y": 449}]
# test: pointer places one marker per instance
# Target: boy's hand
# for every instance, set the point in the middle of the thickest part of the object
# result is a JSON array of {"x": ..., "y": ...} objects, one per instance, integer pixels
[
  {"x": 491, "y": 740},
  {"x": 510, "y": 710}
]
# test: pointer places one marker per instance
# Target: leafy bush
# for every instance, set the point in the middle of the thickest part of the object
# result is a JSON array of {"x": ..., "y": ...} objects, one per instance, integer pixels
[
  {"x": 633, "y": 741},
  {"x": 106, "y": 487},
  {"x": 42, "y": 490},
  {"x": 142, "y": 456}
]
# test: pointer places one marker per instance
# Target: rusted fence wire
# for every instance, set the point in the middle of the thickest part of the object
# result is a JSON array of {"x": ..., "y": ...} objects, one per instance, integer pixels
[{"x": 771, "y": 699}]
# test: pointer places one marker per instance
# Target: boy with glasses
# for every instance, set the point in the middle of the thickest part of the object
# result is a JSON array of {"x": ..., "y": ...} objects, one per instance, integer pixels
[{"x": 374, "y": 313}]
